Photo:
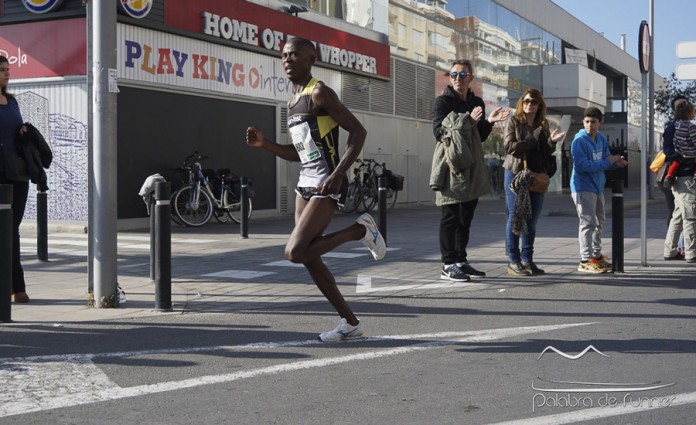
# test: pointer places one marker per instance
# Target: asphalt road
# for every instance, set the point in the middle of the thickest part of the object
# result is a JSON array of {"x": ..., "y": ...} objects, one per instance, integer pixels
[{"x": 452, "y": 356}]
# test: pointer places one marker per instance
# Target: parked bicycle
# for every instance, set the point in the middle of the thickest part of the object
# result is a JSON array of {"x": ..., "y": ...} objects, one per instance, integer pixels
[
  {"x": 363, "y": 191},
  {"x": 206, "y": 194}
]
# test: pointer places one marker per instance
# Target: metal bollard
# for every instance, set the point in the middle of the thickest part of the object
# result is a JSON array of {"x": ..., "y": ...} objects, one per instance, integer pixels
[
  {"x": 42, "y": 226},
  {"x": 153, "y": 236},
  {"x": 163, "y": 247},
  {"x": 244, "y": 208},
  {"x": 617, "y": 226},
  {"x": 382, "y": 205},
  {"x": 6, "y": 253}
]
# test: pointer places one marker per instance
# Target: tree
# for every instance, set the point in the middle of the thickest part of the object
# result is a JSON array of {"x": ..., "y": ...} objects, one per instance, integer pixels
[{"x": 674, "y": 87}]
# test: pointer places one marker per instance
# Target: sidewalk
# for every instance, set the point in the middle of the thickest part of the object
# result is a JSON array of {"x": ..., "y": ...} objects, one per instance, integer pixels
[{"x": 216, "y": 271}]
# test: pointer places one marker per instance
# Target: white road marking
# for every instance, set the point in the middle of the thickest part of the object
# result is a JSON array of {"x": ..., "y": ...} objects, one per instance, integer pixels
[
  {"x": 364, "y": 248},
  {"x": 74, "y": 380},
  {"x": 344, "y": 255},
  {"x": 603, "y": 412},
  {"x": 283, "y": 263},
  {"x": 238, "y": 274},
  {"x": 364, "y": 284}
]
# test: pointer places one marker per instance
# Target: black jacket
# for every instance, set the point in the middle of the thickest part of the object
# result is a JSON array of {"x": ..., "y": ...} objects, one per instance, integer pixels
[
  {"x": 449, "y": 101},
  {"x": 37, "y": 153}
]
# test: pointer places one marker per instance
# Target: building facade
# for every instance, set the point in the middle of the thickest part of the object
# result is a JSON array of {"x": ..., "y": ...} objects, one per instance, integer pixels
[{"x": 193, "y": 75}]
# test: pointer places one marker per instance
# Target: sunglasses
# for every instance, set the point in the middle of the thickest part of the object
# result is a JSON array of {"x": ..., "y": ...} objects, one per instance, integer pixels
[
  {"x": 530, "y": 102},
  {"x": 460, "y": 74}
]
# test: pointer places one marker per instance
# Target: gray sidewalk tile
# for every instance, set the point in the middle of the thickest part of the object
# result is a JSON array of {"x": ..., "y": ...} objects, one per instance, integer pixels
[{"x": 58, "y": 288}]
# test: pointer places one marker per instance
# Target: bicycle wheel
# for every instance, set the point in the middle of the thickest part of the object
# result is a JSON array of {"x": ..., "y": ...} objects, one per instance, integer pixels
[
  {"x": 175, "y": 217},
  {"x": 391, "y": 198},
  {"x": 369, "y": 196},
  {"x": 234, "y": 207},
  {"x": 222, "y": 214},
  {"x": 353, "y": 197},
  {"x": 193, "y": 206}
]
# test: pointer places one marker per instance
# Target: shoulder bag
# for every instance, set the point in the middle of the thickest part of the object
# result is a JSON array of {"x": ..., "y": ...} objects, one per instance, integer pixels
[{"x": 538, "y": 182}]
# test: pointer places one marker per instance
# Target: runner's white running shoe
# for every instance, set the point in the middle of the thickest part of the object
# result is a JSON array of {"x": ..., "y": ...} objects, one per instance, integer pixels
[
  {"x": 372, "y": 240},
  {"x": 342, "y": 331}
]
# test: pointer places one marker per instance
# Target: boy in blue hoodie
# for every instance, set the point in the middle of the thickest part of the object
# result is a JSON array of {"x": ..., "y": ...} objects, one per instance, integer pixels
[{"x": 591, "y": 157}]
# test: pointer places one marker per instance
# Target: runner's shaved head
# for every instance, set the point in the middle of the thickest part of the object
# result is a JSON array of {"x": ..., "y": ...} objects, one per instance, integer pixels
[{"x": 304, "y": 44}]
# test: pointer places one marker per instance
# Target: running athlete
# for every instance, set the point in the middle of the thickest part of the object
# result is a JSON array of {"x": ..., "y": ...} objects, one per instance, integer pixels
[{"x": 314, "y": 115}]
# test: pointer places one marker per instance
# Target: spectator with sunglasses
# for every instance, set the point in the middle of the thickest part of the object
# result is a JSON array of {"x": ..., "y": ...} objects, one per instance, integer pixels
[
  {"x": 529, "y": 143},
  {"x": 459, "y": 192}
]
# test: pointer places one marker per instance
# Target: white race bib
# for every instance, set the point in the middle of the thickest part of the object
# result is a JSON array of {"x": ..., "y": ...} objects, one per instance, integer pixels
[{"x": 304, "y": 144}]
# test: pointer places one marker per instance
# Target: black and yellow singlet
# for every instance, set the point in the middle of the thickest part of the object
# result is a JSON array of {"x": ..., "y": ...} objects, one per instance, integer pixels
[{"x": 315, "y": 138}]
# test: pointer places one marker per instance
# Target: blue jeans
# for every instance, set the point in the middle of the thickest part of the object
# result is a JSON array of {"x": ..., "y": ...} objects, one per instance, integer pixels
[{"x": 512, "y": 241}]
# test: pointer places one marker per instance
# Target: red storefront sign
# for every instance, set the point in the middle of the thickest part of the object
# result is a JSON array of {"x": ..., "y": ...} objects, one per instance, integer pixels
[
  {"x": 45, "y": 49},
  {"x": 266, "y": 28}
]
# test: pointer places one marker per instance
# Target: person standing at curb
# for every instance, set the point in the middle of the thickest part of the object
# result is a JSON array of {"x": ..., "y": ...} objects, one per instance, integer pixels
[
  {"x": 11, "y": 124},
  {"x": 673, "y": 250},
  {"x": 591, "y": 157},
  {"x": 528, "y": 144},
  {"x": 314, "y": 116},
  {"x": 683, "y": 187},
  {"x": 460, "y": 115}
]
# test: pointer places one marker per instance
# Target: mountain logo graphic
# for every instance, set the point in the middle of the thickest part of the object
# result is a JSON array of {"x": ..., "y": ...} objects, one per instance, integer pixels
[{"x": 569, "y": 356}]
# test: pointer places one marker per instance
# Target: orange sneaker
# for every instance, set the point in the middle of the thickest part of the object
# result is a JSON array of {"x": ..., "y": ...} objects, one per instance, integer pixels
[{"x": 591, "y": 266}]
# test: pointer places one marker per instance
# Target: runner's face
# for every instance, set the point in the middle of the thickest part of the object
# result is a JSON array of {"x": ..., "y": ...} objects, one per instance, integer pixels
[{"x": 297, "y": 61}]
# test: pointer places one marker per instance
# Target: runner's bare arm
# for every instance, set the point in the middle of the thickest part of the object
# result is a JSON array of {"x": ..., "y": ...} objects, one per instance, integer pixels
[{"x": 256, "y": 138}]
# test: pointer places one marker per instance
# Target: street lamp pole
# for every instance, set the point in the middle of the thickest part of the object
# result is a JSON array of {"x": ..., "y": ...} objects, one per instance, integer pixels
[
  {"x": 651, "y": 98},
  {"x": 103, "y": 202}
]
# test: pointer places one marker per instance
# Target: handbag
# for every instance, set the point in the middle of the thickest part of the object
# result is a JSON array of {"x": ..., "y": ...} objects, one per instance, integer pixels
[
  {"x": 14, "y": 165},
  {"x": 538, "y": 182},
  {"x": 658, "y": 162}
]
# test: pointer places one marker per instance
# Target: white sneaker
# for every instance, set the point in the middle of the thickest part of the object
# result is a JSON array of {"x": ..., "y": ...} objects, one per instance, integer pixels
[
  {"x": 342, "y": 331},
  {"x": 372, "y": 239}
]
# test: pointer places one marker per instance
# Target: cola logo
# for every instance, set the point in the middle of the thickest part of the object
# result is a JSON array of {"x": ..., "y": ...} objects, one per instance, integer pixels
[{"x": 15, "y": 58}]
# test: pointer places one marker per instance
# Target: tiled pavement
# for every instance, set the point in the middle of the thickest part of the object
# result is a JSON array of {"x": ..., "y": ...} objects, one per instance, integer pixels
[{"x": 214, "y": 270}]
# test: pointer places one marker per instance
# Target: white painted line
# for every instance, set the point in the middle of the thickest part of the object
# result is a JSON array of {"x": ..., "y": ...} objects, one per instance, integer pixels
[
  {"x": 238, "y": 274},
  {"x": 134, "y": 246},
  {"x": 343, "y": 255},
  {"x": 364, "y": 284},
  {"x": 604, "y": 412},
  {"x": 70, "y": 242},
  {"x": 283, "y": 263},
  {"x": 135, "y": 265},
  {"x": 364, "y": 248},
  {"x": 92, "y": 386}
]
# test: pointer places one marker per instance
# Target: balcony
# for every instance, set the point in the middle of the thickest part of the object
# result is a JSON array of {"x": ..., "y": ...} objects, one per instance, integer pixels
[{"x": 570, "y": 88}]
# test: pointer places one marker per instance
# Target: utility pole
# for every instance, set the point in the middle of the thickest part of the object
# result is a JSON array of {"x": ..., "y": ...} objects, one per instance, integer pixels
[
  {"x": 651, "y": 99},
  {"x": 103, "y": 202}
]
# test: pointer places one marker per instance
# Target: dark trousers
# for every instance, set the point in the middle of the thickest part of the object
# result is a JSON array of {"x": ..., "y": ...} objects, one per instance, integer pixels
[
  {"x": 454, "y": 230},
  {"x": 20, "y": 193}
]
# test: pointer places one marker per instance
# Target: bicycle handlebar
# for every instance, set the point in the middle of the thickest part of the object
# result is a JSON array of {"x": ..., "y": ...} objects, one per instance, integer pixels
[{"x": 194, "y": 157}]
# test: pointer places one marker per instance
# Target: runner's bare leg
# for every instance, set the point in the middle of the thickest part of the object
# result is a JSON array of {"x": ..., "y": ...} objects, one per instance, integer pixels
[{"x": 307, "y": 243}]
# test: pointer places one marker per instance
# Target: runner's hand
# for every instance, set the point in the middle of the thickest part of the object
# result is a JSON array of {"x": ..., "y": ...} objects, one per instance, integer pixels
[{"x": 254, "y": 137}]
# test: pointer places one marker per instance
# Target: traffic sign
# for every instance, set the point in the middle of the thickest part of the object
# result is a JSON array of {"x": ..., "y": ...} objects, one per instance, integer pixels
[
  {"x": 686, "y": 71},
  {"x": 644, "y": 47},
  {"x": 686, "y": 49}
]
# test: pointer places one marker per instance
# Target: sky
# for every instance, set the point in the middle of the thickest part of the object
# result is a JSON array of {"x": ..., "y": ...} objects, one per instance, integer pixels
[{"x": 673, "y": 22}]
